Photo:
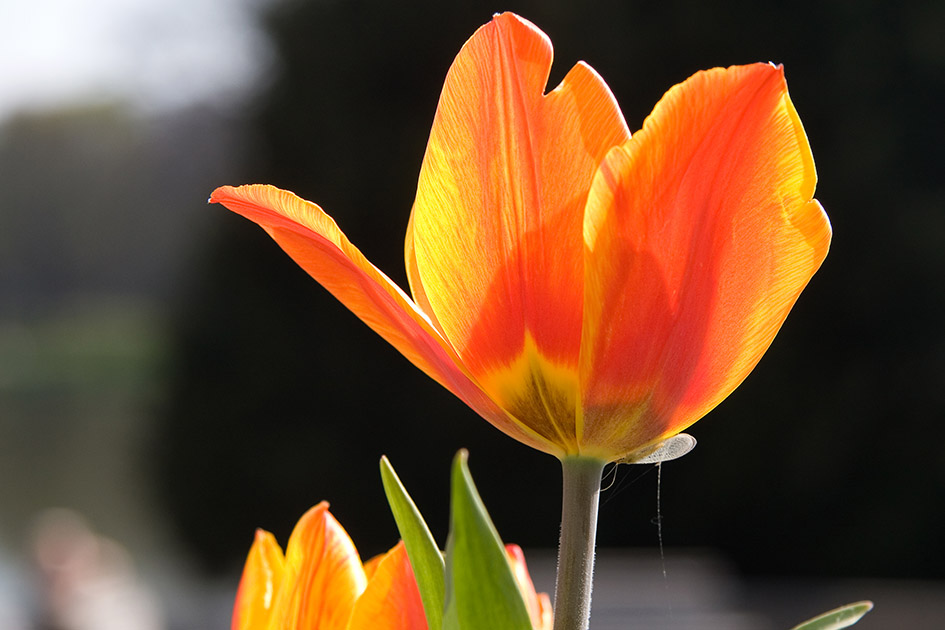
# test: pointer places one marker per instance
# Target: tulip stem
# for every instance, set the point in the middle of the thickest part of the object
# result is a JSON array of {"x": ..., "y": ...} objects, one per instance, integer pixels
[{"x": 579, "y": 502}]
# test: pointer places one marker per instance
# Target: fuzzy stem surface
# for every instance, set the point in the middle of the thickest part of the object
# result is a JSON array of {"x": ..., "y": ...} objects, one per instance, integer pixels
[{"x": 581, "y": 494}]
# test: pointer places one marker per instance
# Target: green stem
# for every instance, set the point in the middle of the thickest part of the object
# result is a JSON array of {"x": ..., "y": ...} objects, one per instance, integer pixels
[{"x": 576, "y": 551}]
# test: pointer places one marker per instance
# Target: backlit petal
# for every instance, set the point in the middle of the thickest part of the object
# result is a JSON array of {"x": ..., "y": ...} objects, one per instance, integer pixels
[
  {"x": 391, "y": 600},
  {"x": 259, "y": 585},
  {"x": 413, "y": 276},
  {"x": 700, "y": 234},
  {"x": 497, "y": 223},
  {"x": 538, "y": 604},
  {"x": 314, "y": 241},
  {"x": 371, "y": 565},
  {"x": 323, "y": 575}
]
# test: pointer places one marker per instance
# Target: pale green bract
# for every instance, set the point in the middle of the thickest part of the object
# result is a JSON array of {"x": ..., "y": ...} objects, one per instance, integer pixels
[{"x": 837, "y": 618}]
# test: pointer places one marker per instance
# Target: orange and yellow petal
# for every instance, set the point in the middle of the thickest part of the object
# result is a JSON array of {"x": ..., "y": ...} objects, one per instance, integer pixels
[
  {"x": 316, "y": 243},
  {"x": 495, "y": 244},
  {"x": 259, "y": 585},
  {"x": 391, "y": 600},
  {"x": 700, "y": 233},
  {"x": 323, "y": 575},
  {"x": 538, "y": 604},
  {"x": 413, "y": 277}
]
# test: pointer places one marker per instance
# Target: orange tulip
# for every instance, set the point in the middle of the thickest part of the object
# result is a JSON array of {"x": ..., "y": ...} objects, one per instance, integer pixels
[
  {"x": 321, "y": 583},
  {"x": 587, "y": 292}
]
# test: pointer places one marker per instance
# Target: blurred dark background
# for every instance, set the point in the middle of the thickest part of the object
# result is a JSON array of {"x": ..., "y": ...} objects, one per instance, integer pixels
[{"x": 258, "y": 395}]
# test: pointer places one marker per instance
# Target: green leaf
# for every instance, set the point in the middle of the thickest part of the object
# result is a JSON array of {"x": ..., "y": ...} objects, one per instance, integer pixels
[
  {"x": 422, "y": 550},
  {"x": 481, "y": 591},
  {"x": 838, "y": 618}
]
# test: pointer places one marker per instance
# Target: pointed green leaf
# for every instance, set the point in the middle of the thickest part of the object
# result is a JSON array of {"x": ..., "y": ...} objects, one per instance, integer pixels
[
  {"x": 481, "y": 591},
  {"x": 425, "y": 557},
  {"x": 838, "y": 618}
]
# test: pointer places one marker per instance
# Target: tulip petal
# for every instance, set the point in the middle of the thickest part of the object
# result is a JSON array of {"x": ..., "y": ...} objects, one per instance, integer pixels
[
  {"x": 323, "y": 574},
  {"x": 495, "y": 247},
  {"x": 314, "y": 241},
  {"x": 391, "y": 600},
  {"x": 538, "y": 604},
  {"x": 370, "y": 567},
  {"x": 700, "y": 233},
  {"x": 259, "y": 585},
  {"x": 413, "y": 277}
]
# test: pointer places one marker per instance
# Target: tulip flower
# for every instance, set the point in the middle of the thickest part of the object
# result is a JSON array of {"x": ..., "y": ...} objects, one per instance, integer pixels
[
  {"x": 321, "y": 583},
  {"x": 588, "y": 292}
]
